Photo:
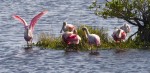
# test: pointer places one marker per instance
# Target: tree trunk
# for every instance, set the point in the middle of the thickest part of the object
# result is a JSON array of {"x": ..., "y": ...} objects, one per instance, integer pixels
[{"x": 144, "y": 34}]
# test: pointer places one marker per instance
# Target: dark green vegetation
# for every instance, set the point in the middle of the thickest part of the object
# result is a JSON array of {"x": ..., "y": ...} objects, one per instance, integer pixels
[
  {"x": 135, "y": 12},
  {"x": 48, "y": 41}
]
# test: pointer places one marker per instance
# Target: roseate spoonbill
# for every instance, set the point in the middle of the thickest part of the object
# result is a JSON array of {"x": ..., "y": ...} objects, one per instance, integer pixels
[
  {"x": 28, "y": 33},
  {"x": 119, "y": 35},
  {"x": 126, "y": 28},
  {"x": 93, "y": 39},
  {"x": 67, "y": 27},
  {"x": 71, "y": 38}
]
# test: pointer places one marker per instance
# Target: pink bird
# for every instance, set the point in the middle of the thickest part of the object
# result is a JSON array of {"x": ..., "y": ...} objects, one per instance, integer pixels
[
  {"x": 28, "y": 33},
  {"x": 119, "y": 35},
  {"x": 67, "y": 27},
  {"x": 93, "y": 39},
  {"x": 126, "y": 28},
  {"x": 71, "y": 37}
]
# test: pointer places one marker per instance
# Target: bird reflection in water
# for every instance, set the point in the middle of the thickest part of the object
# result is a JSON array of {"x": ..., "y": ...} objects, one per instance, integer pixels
[{"x": 28, "y": 49}]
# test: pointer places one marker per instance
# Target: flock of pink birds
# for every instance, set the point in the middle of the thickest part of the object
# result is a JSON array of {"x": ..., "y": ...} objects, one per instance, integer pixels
[{"x": 70, "y": 35}]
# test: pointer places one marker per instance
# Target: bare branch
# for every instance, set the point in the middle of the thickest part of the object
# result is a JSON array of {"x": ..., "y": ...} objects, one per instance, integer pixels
[
  {"x": 106, "y": 0},
  {"x": 130, "y": 22},
  {"x": 139, "y": 19},
  {"x": 138, "y": 23},
  {"x": 132, "y": 35}
]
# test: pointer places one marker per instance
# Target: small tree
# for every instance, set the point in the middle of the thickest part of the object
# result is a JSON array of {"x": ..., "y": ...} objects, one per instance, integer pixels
[{"x": 135, "y": 12}]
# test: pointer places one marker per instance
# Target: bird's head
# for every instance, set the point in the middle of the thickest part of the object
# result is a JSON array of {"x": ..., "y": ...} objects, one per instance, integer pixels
[
  {"x": 85, "y": 31},
  {"x": 75, "y": 31},
  {"x": 126, "y": 28},
  {"x": 64, "y": 24},
  {"x": 84, "y": 28}
]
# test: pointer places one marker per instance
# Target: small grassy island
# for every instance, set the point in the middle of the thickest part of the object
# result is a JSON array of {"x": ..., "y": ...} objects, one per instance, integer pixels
[{"x": 48, "y": 41}]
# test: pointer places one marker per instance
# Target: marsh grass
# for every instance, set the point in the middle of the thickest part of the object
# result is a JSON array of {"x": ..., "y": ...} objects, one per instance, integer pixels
[{"x": 49, "y": 41}]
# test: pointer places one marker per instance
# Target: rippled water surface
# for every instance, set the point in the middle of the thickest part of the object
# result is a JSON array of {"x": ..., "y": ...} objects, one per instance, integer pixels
[{"x": 14, "y": 58}]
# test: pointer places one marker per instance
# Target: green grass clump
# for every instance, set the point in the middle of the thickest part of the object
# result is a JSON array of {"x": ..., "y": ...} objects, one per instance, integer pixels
[{"x": 49, "y": 41}]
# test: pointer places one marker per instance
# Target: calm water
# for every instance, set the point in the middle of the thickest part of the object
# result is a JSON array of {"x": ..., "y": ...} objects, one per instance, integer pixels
[{"x": 14, "y": 58}]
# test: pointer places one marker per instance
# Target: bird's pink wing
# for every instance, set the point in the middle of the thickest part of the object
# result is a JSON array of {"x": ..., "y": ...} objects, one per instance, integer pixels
[
  {"x": 97, "y": 39},
  {"x": 73, "y": 36},
  {"x": 36, "y": 18},
  {"x": 20, "y": 19}
]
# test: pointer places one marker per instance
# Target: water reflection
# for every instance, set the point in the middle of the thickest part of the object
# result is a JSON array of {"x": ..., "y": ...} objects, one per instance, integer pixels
[
  {"x": 70, "y": 52},
  {"x": 28, "y": 49}
]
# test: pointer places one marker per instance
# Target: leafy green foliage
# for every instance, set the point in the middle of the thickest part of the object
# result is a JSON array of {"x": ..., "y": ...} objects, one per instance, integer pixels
[
  {"x": 135, "y": 12},
  {"x": 124, "y": 9}
]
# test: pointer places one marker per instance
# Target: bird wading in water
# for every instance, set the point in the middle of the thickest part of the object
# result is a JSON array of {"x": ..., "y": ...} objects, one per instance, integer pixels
[
  {"x": 28, "y": 33},
  {"x": 93, "y": 39}
]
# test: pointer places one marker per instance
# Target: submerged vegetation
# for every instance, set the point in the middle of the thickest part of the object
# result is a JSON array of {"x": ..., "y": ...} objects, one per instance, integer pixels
[{"x": 49, "y": 41}]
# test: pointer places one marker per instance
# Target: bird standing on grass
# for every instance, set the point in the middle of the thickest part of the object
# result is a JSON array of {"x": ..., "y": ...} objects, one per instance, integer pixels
[
  {"x": 28, "y": 33},
  {"x": 119, "y": 35},
  {"x": 93, "y": 39},
  {"x": 71, "y": 38}
]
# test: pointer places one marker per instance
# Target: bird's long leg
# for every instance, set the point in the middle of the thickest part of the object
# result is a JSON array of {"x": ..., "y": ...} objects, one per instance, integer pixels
[
  {"x": 119, "y": 47},
  {"x": 75, "y": 47},
  {"x": 120, "y": 44},
  {"x": 91, "y": 48},
  {"x": 67, "y": 47},
  {"x": 27, "y": 43},
  {"x": 31, "y": 43},
  {"x": 96, "y": 49}
]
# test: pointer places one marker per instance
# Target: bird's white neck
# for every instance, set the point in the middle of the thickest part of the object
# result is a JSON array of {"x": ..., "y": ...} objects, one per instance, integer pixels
[
  {"x": 118, "y": 34},
  {"x": 87, "y": 32},
  {"x": 28, "y": 32}
]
